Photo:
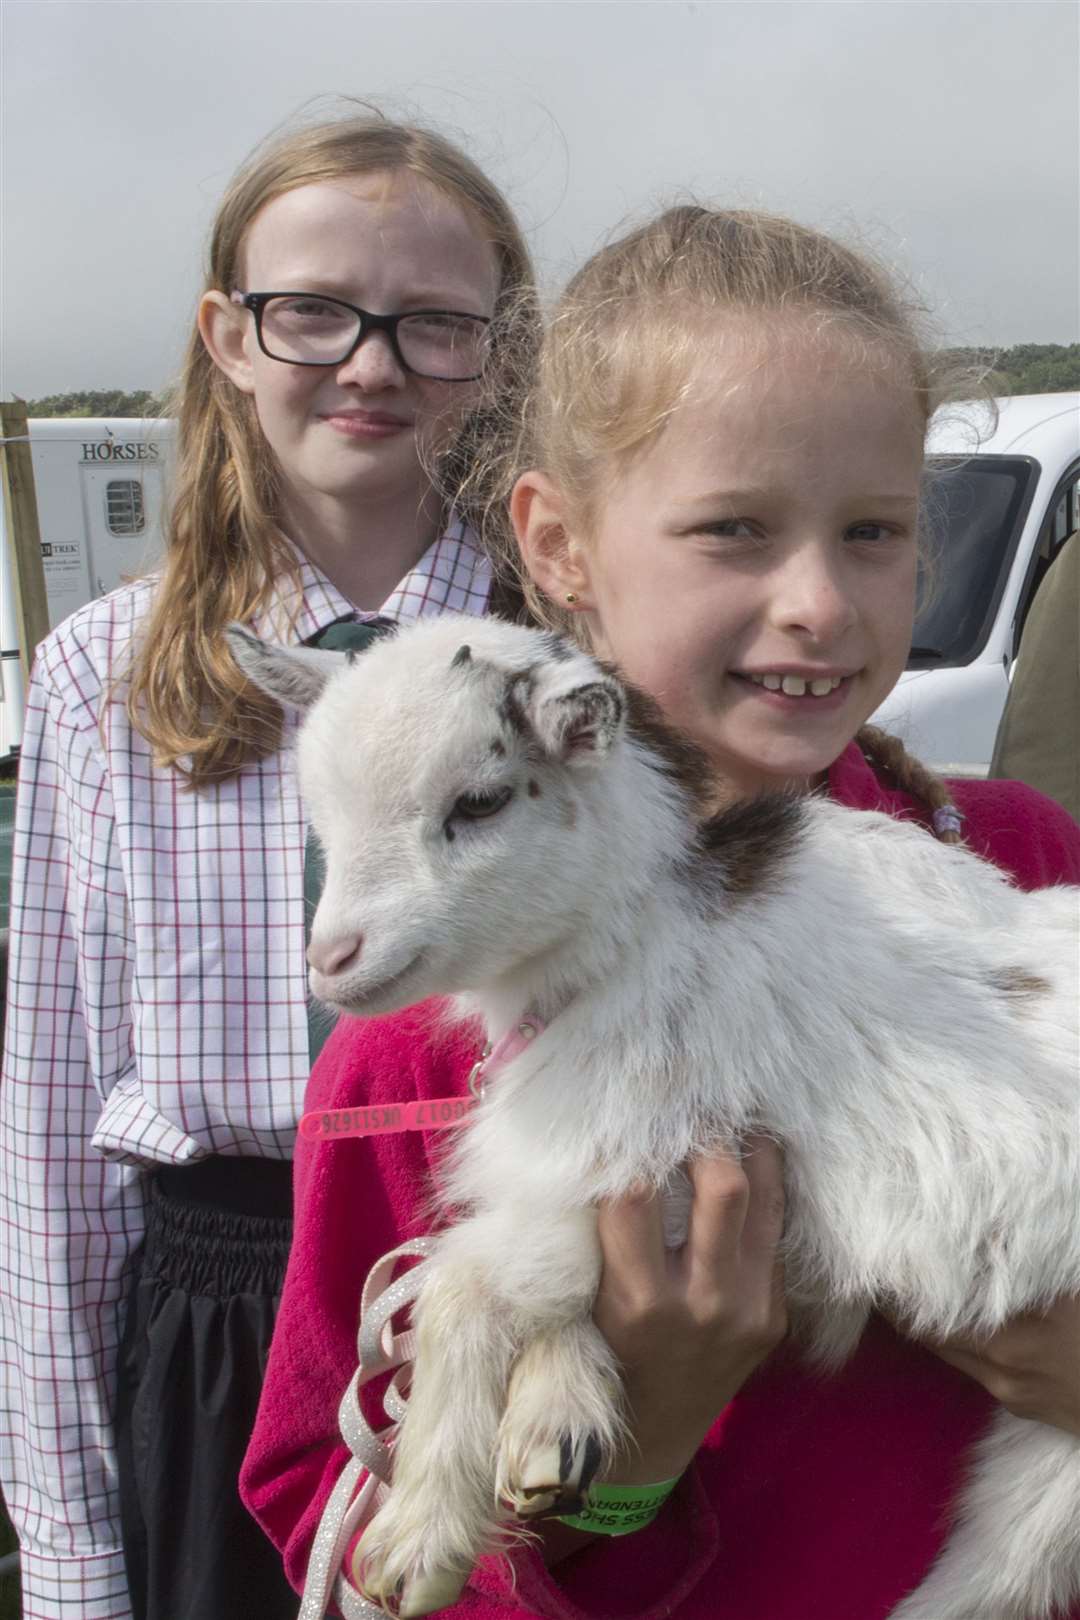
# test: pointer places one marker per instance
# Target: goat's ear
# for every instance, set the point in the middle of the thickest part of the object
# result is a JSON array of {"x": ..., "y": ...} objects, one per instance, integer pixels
[
  {"x": 295, "y": 676},
  {"x": 579, "y": 723}
]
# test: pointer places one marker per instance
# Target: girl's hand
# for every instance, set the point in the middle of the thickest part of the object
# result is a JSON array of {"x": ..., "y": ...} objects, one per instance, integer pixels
[
  {"x": 1031, "y": 1365},
  {"x": 690, "y": 1325}
]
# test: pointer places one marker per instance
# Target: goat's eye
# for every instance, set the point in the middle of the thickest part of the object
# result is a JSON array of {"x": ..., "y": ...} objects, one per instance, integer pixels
[{"x": 476, "y": 806}]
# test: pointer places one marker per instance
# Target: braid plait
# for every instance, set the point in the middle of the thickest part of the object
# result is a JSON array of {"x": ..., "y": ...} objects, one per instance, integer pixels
[{"x": 911, "y": 776}]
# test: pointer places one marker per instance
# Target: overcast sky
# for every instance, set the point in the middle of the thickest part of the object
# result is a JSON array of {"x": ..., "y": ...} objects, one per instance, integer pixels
[{"x": 944, "y": 133}]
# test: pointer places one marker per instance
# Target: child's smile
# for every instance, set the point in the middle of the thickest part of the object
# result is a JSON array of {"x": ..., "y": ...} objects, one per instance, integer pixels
[{"x": 795, "y": 686}]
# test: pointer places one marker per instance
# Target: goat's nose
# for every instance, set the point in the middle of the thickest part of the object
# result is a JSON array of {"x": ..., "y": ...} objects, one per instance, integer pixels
[{"x": 330, "y": 956}]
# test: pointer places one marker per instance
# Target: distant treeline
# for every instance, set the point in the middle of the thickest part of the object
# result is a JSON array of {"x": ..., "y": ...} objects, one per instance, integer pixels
[
  {"x": 1027, "y": 368},
  {"x": 97, "y": 402}
]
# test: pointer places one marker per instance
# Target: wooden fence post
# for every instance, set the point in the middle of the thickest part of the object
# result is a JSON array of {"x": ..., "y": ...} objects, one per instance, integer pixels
[{"x": 22, "y": 530}]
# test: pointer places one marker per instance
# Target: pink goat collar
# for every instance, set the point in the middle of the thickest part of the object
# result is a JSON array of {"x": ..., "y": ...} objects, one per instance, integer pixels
[
  {"x": 426, "y": 1113},
  {"x": 494, "y": 1058}
]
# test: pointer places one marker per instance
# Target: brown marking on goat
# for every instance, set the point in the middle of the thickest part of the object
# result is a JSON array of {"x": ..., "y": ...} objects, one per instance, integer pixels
[
  {"x": 534, "y": 789},
  {"x": 751, "y": 841},
  {"x": 675, "y": 754},
  {"x": 1018, "y": 982},
  {"x": 498, "y": 749}
]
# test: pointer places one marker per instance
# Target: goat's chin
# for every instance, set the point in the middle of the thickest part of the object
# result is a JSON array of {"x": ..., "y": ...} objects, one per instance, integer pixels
[{"x": 363, "y": 995}]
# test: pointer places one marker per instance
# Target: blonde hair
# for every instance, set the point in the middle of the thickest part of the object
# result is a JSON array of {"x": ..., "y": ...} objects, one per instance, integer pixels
[
  {"x": 225, "y": 556},
  {"x": 619, "y": 350}
]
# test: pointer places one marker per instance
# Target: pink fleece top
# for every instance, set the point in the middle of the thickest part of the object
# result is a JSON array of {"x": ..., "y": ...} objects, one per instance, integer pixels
[{"x": 811, "y": 1498}]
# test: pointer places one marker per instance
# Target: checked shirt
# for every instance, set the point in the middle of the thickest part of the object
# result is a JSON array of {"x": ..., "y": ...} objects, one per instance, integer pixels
[{"x": 157, "y": 1012}]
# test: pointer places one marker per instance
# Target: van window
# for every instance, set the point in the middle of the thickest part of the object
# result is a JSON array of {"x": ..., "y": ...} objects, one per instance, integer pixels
[
  {"x": 124, "y": 510},
  {"x": 978, "y": 506}
]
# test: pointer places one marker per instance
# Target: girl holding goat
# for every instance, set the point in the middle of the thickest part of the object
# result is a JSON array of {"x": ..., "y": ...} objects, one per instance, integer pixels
[
  {"x": 158, "y": 1037},
  {"x": 717, "y": 489}
]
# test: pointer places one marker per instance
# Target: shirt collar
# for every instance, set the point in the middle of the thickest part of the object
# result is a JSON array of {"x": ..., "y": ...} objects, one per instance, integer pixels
[{"x": 452, "y": 575}]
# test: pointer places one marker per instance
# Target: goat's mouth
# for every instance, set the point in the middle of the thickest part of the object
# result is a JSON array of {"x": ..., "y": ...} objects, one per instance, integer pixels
[{"x": 353, "y": 993}]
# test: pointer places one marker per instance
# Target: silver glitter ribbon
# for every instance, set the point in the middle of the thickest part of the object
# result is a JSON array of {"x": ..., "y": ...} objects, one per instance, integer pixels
[{"x": 379, "y": 1350}]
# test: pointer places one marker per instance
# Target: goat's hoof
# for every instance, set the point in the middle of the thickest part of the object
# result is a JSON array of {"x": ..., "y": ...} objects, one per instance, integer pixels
[
  {"x": 553, "y": 1479},
  {"x": 380, "y": 1577},
  {"x": 373, "y": 1590},
  {"x": 425, "y": 1594},
  {"x": 375, "y": 1580}
]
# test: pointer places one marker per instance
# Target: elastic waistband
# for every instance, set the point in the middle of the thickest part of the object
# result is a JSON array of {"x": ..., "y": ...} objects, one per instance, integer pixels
[
  {"x": 238, "y": 1186},
  {"x": 211, "y": 1227}
]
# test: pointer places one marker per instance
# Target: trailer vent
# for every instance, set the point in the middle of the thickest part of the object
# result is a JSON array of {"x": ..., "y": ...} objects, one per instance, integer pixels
[{"x": 124, "y": 510}]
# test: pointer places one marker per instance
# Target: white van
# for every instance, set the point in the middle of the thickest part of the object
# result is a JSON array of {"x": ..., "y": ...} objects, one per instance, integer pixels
[
  {"x": 1004, "y": 495},
  {"x": 101, "y": 501}
]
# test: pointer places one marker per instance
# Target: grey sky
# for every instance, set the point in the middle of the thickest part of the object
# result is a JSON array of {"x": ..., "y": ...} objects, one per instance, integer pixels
[{"x": 946, "y": 134}]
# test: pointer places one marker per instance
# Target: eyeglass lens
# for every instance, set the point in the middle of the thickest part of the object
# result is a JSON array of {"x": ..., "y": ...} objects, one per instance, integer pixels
[{"x": 320, "y": 331}]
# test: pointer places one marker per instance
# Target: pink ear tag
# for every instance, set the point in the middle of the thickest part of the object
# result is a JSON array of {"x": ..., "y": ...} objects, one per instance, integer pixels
[
  {"x": 422, "y": 1113},
  {"x": 427, "y": 1114}
]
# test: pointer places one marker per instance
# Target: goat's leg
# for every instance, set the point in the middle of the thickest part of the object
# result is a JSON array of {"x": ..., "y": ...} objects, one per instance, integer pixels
[
  {"x": 563, "y": 1420},
  {"x": 416, "y": 1553},
  {"x": 1015, "y": 1551},
  {"x": 565, "y": 1411}
]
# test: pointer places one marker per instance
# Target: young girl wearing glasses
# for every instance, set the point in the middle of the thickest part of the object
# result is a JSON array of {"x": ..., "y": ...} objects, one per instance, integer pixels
[
  {"x": 158, "y": 1040},
  {"x": 719, "y": 491}
]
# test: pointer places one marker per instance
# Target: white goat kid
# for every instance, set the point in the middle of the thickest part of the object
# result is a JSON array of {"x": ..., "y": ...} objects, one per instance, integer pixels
[{"x": 503, "y": 822}]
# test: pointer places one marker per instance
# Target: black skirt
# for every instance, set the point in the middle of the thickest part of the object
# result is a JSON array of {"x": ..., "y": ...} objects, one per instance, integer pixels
[{"x": 196, "y": 1338}]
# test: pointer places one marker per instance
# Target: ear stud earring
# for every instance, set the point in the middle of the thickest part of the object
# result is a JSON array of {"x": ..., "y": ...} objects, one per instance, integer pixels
[{"x": 571, "y": 597}]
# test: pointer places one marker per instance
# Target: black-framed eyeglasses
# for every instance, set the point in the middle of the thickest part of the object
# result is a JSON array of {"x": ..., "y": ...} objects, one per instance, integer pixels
[{"x": 307, "y": 329}]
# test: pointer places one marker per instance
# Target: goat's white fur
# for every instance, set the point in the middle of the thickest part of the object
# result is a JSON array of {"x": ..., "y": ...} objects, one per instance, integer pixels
[{"x": 866, "y": 1004}]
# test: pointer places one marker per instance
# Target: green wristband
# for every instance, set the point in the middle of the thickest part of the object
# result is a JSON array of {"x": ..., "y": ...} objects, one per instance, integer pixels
[{"x": 619, "y": 1510}]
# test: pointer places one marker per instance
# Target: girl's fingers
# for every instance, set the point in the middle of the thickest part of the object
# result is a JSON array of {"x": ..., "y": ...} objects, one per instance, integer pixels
[
  {"x": 718, "y": 1212},
  {"x": 631, "y": 1232},
  {"x": 736, "y": 1226},
  {"x": 763, "y": 1163},
  {"x": 714, "y": 1307},
  {"x": 763, "y": 1167},
  {"x": 736, "y": 1223}
]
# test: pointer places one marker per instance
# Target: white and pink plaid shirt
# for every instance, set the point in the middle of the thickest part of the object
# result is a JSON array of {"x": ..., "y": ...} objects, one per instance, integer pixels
[{"x": 157, "y": 1012}]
